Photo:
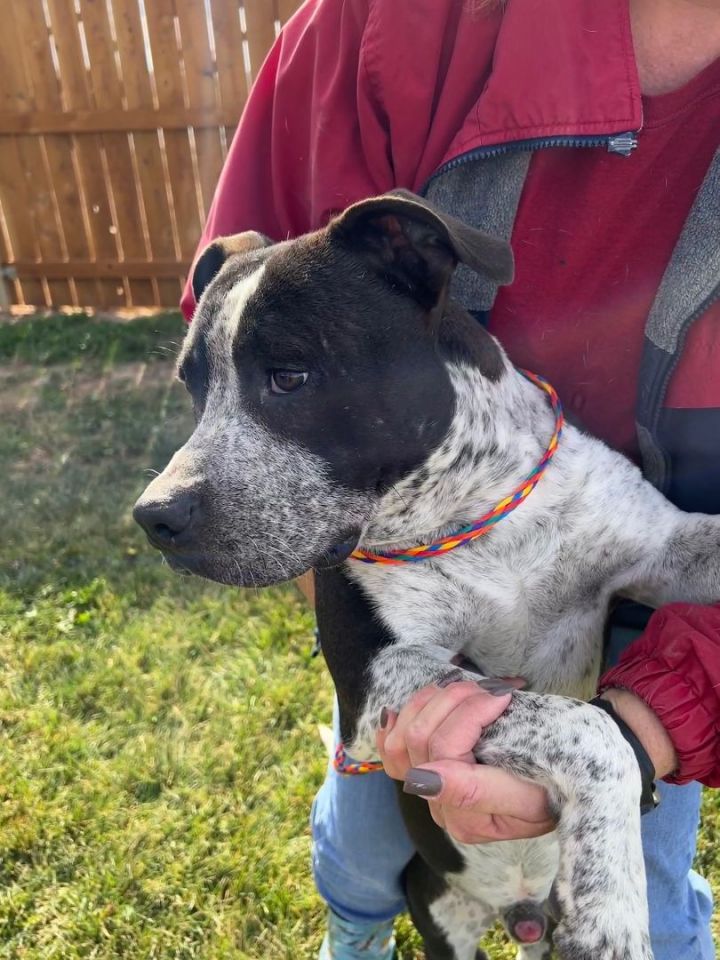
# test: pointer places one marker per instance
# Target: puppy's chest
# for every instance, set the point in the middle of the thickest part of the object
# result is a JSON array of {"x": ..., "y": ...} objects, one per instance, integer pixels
[{"x": 508, "y": 619}]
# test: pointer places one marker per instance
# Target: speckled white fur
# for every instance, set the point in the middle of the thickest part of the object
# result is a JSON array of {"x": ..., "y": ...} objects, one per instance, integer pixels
[{"x": 531, "y": 599}]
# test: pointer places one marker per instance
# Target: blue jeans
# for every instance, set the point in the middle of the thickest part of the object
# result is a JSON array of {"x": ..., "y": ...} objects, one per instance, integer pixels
[{"x": 360, "y": 880}]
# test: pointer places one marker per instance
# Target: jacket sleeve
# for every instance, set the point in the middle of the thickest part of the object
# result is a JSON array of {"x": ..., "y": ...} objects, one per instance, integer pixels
[
  {"x": 309, "y": 141},
  {"x": 675, "y": 668}
]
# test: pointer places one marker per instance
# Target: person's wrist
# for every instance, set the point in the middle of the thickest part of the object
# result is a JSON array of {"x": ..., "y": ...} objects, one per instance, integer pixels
[{"x": 646, "y": 726}]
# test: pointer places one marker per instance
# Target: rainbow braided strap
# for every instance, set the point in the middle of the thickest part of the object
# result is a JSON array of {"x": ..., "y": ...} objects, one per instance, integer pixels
[
  {"x": 486, "y": 522},
  {"x": 349, "y": 767}
]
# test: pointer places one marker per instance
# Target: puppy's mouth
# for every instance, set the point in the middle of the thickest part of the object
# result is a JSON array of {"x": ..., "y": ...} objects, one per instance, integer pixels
[
  {"x": 186, "y": 565},
  {"x": 339, "y": 552},
  {"x": 260, "y": 571}
]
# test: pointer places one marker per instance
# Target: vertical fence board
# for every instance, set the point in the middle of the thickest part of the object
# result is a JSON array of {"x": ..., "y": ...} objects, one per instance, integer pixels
[
  {"x": 138, "y": 195},
  {"x": 286, "y": 8},
  {"x": 85, "y": 238},
  {"x": 15, "y": 205},
  {"x": 144, "y": 146},
  {"x": 105, "y": 92},
  {"x": 200, "y": 79},
  {"x": 260, "y": 20},
  {"x": 57, "y": 188},
  {"x": 230, "y": 65},
  {"x": 177, "y": 186},
  {"x": 19, "y": 202},
  {"x": 228, "y": 53}
]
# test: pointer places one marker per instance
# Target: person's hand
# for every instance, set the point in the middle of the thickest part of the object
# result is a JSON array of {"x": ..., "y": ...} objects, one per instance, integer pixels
[{"x": 429, "y": 746}]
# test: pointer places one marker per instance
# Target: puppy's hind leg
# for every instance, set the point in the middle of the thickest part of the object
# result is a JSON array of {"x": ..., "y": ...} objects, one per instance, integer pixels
[{"x": 449, "y": 921}]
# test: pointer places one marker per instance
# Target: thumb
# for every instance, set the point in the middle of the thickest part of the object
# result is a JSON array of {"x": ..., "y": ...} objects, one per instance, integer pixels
[{"x": 459, "y": 784}]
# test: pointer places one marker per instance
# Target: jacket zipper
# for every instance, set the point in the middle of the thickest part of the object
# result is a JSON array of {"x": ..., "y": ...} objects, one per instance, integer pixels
[{"x": 621, "y": 143}]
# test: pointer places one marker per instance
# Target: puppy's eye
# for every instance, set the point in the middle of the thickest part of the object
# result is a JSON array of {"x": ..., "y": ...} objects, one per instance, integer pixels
[{"x": 286, "y": 381}]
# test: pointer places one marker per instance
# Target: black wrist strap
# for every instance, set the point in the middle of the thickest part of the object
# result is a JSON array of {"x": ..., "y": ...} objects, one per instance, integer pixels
[{"x": 648, "y": 798}]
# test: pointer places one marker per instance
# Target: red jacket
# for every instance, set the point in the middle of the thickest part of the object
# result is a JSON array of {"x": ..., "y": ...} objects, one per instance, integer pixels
[{"x": 360, "y": 96}]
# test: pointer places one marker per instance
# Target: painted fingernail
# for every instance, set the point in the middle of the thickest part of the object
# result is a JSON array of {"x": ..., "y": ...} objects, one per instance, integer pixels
[
  {"x": 498, "y": 688},
  {"x": 422, "y": 783},
  {"x": 452, "y": 677},
  {"x": 384, "y": 717}
]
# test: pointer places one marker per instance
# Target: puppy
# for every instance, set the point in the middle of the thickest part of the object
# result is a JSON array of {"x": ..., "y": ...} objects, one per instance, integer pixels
[{"x": 349, "y": 411}]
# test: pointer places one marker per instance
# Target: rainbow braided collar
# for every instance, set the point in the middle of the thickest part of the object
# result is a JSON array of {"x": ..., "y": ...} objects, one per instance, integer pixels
[{"x": 488, "y": 520}]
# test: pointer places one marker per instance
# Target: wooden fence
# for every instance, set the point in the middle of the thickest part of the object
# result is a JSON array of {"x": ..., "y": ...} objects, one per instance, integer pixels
[{"x": 115, "y": 117}]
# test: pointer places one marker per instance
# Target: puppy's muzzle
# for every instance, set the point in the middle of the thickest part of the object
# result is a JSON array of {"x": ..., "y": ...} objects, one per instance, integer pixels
[{"x": 169, "y": 523}]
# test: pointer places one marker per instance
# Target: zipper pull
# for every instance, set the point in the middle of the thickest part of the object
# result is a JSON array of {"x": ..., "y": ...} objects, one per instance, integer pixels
[{"x": 623, "y": 143}]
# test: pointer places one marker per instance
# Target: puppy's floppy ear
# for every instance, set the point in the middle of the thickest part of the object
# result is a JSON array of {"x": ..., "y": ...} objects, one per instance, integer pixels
[
  {"x": 417, "y": 246},
  {"x": 215, "y": 254}
]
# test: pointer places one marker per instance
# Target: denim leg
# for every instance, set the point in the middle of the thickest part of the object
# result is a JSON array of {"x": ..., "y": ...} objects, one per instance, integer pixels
[
  {"x": 680, "y": 899},
  {"x": 360, "y": 845}
]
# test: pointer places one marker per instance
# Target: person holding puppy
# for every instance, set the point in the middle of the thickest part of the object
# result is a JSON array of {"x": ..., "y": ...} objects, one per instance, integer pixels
[{"x": 586, "y": 134}]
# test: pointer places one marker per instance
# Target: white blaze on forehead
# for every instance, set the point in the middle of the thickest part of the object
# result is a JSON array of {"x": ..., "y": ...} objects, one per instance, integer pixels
[
  {"x": 222, "y": 395},
  {"x": 231, "y": 315}
]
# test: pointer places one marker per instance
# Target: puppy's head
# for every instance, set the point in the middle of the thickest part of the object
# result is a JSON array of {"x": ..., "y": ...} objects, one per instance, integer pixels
[{"x": 317, "y": 371}]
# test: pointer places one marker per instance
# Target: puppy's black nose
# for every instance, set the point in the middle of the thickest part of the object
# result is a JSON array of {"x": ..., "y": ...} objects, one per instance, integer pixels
[{"x": 165, "y": 521}]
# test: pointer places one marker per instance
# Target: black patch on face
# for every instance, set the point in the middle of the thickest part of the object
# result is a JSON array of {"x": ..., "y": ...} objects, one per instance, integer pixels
[
  {"x": 194, "y": 371},
  {"x": 378, "y": 399}
]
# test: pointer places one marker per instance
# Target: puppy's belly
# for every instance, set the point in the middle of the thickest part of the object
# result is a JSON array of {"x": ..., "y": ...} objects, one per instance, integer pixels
[{"x": 500, "y": 874}]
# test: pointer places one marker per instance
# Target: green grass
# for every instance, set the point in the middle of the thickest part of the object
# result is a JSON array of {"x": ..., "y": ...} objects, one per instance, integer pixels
[
  {"x": 158, "y": 735},
  {"x": 76, "y": 338}
]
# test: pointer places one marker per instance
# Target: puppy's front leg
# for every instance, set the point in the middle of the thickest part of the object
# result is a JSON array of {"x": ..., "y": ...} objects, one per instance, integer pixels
[
  {"x": 687, "y": 566},
  {"x": 577, "y": 752},
  {"x": 396, "y": 673}
]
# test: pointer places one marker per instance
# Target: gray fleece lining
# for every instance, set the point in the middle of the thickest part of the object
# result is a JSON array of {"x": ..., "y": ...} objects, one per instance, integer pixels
[
  {"x": 693, "y": 274},
  {"x": 484, "y": 193}
]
